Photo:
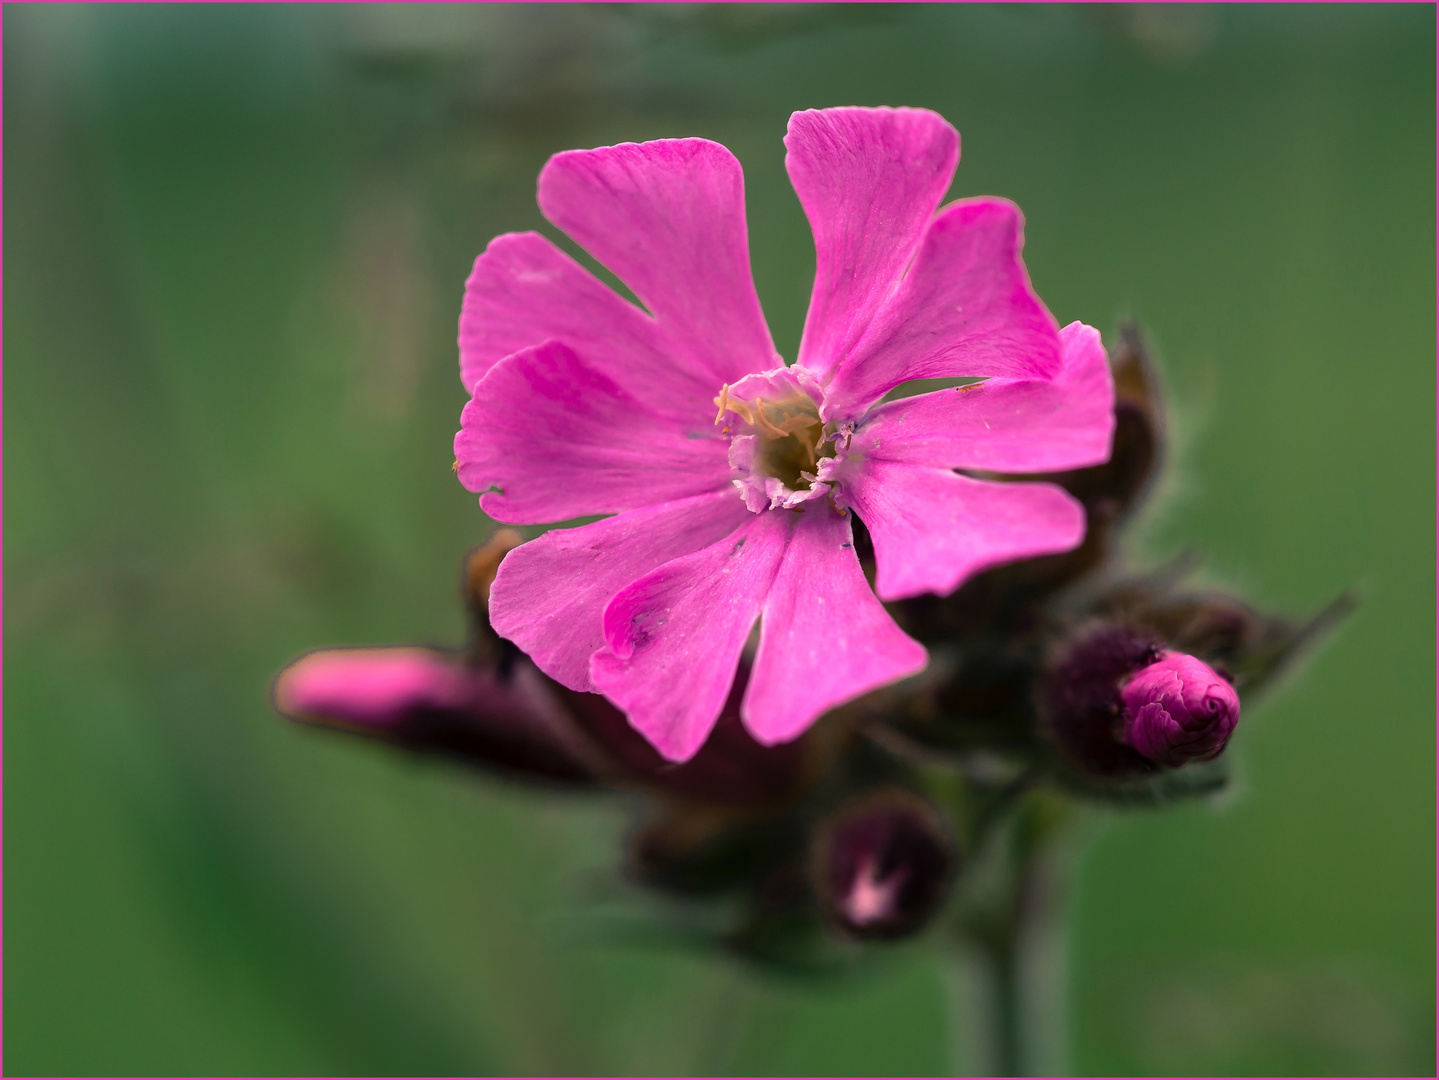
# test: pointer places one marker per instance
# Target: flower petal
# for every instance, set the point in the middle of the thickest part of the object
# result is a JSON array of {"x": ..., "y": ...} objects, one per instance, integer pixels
[
  {"x": 869, "y": 181},
  {"x": 675, "y": 636},
  {"x": 933, "y": 528},
  {"x": 369, "y": 687},
  {"x": 559, "y": 439},
  {"x": 824, "y": 638},
  {"x": 965, "y": 308},
  {"x": 549, "y": 595},
  {"x": 667, "y": 218},
  {"x": 524, "y": 291},
  {"x": 1006, "y": 425}
]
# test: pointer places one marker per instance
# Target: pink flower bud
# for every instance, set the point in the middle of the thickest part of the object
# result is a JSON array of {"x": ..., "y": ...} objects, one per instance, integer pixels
[
  {"x": 1178, "y": 709},
  {"x": 884, "y": 863}
]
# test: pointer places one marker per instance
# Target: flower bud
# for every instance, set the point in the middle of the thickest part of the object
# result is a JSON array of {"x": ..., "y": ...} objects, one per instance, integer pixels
[
  {"x": 883, "y": 865},
  {"x": 1120, "y": 705},
  {"x": 1179, "y": 709},
  {"x": 1083, "y": 712},
  {"x": 432, "y": 702}
]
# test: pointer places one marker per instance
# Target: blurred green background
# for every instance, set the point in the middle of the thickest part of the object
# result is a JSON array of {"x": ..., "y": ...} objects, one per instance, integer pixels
[{"x": 236, "y": 239}]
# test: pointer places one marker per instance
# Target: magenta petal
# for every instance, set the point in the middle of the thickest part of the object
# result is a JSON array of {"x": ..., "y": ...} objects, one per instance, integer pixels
[
  {"x": 524, "y": 291},
  {"x": 675, "y": 636},
  {"x": 933, "y": 528},
  {"x": 370, "y": 687},
  {"x": 667, "y": 218},
  {"x": 1179, "y": 709},
  {"x": 965, "y": 308},
  {"x": 558, "y": 440},
  {"x": 550, "y": 594},
  {"x": 824, "y": 638},
  {"x": 1006, "y": 425},
  {"x": 869, "y": 181}
]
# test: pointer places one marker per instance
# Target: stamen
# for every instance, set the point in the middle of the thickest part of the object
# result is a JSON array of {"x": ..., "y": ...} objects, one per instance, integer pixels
[
  {"x": 735, "y": 406},
  {"x": 765, "y": 424},
  {"x": 790, "y": 424},
  {"x": 792, "y": 439},
  {"x": 722, "y": 400},
  {"x": 809, "y": 450}
]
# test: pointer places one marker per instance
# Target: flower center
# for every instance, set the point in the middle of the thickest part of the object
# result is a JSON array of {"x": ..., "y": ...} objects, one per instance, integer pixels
[{"x": 790, "y": 434}]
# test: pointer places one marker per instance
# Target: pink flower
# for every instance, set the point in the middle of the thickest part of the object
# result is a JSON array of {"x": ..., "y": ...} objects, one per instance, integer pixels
[
  {"x": 732, "y": 477},
  {"x": 1179, "y": 709}
]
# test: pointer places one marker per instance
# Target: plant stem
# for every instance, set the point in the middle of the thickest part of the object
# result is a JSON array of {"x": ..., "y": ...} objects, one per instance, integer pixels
[
  {"x": 988, "y": 1025},
  {"x": 1006, "y": 956},
  {"x": 1008, "y": 1005}
]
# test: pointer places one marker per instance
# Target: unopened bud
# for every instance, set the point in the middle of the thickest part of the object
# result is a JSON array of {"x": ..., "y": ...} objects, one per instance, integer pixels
[
  {"x": 1119, "y": 704},
  {"x": 1179, "y": 709},
  {"x": 883, "y": 865},
  {"x": 431, "y": 702}
]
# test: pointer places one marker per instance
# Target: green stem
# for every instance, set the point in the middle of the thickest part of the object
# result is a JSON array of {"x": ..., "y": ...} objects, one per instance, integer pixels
[
  {"x": 1008, "y": 1010},
  {"x": 987, "y": 1010},
  {"x": 1006, "y": 952},
  {"x": 983, "y": 1024}
]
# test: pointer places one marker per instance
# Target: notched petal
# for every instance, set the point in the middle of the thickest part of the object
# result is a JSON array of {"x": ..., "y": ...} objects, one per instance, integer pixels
[
  {"x": 674, "y": 637},
  {"x": 869, "y": 181},
  {"x": 824, "y": 637},
  {"x": 667, "y": 217},
  {"x": 547, "y": 437},
  {"x": 965, "y": 308}
]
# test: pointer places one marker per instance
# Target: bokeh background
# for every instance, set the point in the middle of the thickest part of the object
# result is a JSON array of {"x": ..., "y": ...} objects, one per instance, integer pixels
[{"x": 235, "y": 242}]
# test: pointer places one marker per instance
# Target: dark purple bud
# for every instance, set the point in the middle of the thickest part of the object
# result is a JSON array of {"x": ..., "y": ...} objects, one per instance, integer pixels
[
  {"x": 1179, "y": 709},
  {"x": 1079, "y": 697},
  {"x": 492, "y": 707},
  {"x": 690, "y": 848},
  {"x": 1119, "y": 704},
  {"x": 432, "y": 702},
  {"x": 883, "y": 865}
]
